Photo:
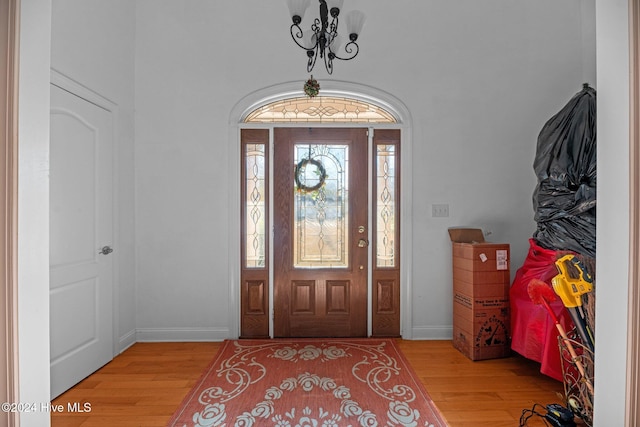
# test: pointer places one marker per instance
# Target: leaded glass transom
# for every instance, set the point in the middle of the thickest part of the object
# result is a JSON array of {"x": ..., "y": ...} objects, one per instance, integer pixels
[{"x": 320, "y": 109}]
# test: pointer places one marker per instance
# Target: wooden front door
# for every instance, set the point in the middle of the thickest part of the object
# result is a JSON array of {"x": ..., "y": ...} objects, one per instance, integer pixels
[{"x": 320, "y": 207}]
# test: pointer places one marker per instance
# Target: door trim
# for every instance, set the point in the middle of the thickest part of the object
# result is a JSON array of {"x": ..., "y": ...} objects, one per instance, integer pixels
[
  {"x": 9, "y": 375},
  {"x": 333, "y": 88},
  {"x": 72, "y": 86}
]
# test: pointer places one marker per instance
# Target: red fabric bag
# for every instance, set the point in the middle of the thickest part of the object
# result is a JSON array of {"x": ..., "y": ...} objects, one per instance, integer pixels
[{"x": 534, "y": 335}]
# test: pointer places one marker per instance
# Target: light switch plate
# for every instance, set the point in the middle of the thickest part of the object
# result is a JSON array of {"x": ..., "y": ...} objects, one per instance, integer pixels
[{"x": 440, "y": 210}]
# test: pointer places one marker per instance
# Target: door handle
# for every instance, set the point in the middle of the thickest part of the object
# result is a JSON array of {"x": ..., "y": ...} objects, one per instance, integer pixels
[
  {"x": 363, "y": 243},
  {"x": 106, "y": 250}
]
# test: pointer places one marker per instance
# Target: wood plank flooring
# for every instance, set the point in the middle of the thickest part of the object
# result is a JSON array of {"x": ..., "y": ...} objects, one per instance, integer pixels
[{"x": 144, "y": 385}]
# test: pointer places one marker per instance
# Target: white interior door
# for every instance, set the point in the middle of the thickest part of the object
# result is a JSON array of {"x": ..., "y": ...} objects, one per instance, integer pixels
[{"x": 80, "y": 239}]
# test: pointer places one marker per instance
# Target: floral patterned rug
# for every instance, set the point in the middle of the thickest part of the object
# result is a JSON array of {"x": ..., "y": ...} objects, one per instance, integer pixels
[{"x": 308, "y": 383}]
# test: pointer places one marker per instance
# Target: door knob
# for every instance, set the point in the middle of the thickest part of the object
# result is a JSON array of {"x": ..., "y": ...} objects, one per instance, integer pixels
[
  {"x": 363, "y": 243},
  {"x": 106, "y": 250}
]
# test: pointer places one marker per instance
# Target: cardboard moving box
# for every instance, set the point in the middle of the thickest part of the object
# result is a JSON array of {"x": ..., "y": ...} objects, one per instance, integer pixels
[{"x": 481, "y": 281}]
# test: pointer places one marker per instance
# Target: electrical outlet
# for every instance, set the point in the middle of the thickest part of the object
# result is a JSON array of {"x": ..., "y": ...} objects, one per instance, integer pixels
[{"x": 440, "y": 211}]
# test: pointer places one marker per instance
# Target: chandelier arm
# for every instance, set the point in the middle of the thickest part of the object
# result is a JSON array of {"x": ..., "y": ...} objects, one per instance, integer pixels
[
  {"x": 351, "y": 48},
  {"x": 297, "y": 35},
  {"x": 328, "y": 63},
  {"x": 333, "y": 28},
  {"x": 316, "y": 27},
  {"x": 312, "y": 59}
]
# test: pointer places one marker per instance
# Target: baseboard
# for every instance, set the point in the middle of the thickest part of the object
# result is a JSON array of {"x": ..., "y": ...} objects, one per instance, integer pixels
[
  {"x": 432, "y": 332},
  {"x": 181, "y": 334},
  {"x": 221, "y": 334},
  {"x": 127, "y": 340}
]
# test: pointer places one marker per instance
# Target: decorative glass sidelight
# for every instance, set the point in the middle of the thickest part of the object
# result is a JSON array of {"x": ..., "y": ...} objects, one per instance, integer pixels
[
  {"x": 321, "y": 217},
  {"x": 385, "y": 205},
  {"x": 254, "y": 182}
]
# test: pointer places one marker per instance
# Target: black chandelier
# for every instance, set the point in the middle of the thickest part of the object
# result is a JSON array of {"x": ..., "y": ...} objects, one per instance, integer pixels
[{"x": 323, "y": 39}]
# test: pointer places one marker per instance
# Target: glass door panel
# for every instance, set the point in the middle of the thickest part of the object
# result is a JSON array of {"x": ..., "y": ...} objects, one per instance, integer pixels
[{"x": 321, "y": 214}]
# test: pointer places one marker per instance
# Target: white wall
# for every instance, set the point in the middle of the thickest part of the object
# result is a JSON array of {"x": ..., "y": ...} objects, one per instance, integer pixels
[
  {"x": 33, "y": 209},
  {"x": 92, "y": 43},
  {"x": 613, "y": 211},
  {"x": 588, "y": 19},
  {"x": 480, "y": 80}
]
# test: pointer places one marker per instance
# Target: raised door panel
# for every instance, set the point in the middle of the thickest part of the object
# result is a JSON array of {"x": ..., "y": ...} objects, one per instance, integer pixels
[
  {"x": 303, "y": 297},
  {"x": 338, "y": 297}
]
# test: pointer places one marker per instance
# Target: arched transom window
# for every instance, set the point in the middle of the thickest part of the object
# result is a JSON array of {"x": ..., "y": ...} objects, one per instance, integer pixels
[{"x": 320, "y": 109}]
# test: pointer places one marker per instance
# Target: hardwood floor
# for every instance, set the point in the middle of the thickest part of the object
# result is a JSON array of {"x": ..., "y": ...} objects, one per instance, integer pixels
[{"x": 144, "y": 385}]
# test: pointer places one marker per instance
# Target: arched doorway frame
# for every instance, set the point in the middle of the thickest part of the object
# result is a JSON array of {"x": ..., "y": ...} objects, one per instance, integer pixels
[{"x": 336, "y": 88}]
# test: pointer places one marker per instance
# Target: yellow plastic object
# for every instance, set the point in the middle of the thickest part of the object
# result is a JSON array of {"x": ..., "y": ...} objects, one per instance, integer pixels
[
  {"x": 568, "y": 287},
  {"x": 572, "y": 282}
]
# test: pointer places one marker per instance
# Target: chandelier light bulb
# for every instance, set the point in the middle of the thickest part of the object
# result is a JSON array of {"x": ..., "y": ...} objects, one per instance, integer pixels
[
  {"x": 297, "y": 8},
  {"x": 354, "y": 22}
]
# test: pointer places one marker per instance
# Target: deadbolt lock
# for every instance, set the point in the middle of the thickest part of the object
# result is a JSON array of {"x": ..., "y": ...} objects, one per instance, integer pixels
[{"x": 361, "y": 229}]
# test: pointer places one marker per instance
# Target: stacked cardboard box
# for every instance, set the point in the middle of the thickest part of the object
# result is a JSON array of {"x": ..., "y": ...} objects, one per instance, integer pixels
[{"x": 481, "y": 280}]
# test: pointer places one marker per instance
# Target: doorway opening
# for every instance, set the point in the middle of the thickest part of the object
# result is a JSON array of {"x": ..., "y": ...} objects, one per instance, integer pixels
[{"x": 320, "y": 240}]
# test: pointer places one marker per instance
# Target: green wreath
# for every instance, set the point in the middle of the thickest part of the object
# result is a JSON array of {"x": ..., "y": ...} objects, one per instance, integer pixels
[
  {"x": 311, "y": 87},
  {"x": 321, "y": 172}
]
